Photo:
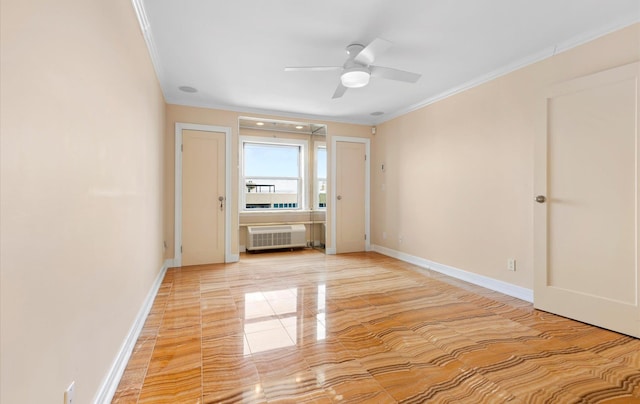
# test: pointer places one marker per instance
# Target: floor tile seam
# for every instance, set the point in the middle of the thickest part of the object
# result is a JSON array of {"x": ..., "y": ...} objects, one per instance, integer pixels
[
  {"x": 404, "y": 364},
  {"x": 450, "y": 384},
  {"x": 613, "y": 344},
  {"x": 265, "y": 380},
  {"x": 165, "y": 302},
  {"x": 146, "y": 369},
  {"x": 337, "y": 381},
  {"x": 441, "y": 342},
  {"x": 523, "y": 339},
  {"x": 609, "y": 375},
  {"x": 595, "y": 393},
  {"x": 514, "y": 386},
  {"x": 281, "y": 327},
  {"x": 515, "y": 364},
  {"x": 202, "y": 389},
  {"x": 153, "y": 348},
  {"x": 134, "y": 388}
]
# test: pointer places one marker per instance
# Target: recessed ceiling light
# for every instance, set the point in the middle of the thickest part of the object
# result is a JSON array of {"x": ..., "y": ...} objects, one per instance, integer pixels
[
  {"x": 377, "y": 113},
  {"x": 188, "y": 89},
  {"x": 299, "y": 127},
  {"x": 259, "y": 123}
]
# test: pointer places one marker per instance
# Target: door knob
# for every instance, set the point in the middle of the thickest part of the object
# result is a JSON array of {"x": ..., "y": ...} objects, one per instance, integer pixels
[
  {"x": 541, "y": 199},
  {"x": 339, "y": 197}
]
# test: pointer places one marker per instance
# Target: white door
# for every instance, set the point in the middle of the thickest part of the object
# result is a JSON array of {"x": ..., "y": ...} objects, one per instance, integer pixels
[
  {"x": 350, "y": 197},
  {"x": 203, "y": 204},
  {"x": 586, "y": 218}
]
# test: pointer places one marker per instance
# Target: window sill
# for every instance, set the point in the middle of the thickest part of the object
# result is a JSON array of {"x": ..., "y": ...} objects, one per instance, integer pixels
[{"x": 279, "y": 212}]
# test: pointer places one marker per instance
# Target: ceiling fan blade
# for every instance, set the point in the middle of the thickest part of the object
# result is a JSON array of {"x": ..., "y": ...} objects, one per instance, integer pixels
[
  {"x": 312, "y": 68},
  {"x": 368, "y": 55},
  {"x": 340, "y": 90},
  {"x": 394, "y": 74}
]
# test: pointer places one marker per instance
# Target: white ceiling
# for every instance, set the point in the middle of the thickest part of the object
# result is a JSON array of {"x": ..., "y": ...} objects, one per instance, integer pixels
[{"x": 234, "y": 51}]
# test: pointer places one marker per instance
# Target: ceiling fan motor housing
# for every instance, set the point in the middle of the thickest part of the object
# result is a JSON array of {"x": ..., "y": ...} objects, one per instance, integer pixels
[{"x": 354, "y": 49}]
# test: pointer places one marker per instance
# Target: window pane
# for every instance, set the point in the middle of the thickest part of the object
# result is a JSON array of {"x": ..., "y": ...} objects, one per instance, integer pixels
[
  {"x": 267, "y": 193},
  {"x": 267, "y": 160},
  {"x": 322, "y": 193},
  {"x": 321, "y": 177},
  {"x": 266, "y": 185},
  {"x": 322, "y": 162}
]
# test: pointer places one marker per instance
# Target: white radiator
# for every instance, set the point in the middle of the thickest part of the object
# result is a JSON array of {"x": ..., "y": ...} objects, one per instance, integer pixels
[{"x": 284, "y": 236}]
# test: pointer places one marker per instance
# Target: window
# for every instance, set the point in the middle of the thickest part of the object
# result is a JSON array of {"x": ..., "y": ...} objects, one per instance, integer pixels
[
  {"x": 320, "y": 190},
  {"x": 273, "y": 173}
]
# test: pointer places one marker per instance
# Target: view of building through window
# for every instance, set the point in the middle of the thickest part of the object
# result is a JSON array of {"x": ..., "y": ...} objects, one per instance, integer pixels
[{"x": 273, "y": 175}]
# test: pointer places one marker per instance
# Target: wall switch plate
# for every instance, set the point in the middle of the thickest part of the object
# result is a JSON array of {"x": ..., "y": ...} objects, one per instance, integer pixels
[
  {"x": 511, "y": 264},
  {"x": 69, "y": 393}
]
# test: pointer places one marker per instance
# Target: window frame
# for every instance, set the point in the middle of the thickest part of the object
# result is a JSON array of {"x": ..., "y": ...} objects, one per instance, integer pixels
[
  {"x": 316, "y": 179},
  {"x": 302, "y": 178}
]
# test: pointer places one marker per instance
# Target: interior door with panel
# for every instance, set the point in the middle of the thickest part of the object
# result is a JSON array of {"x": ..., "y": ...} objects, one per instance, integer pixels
[
  {"x": 350, "y": 196},
  {"x": 203, "y": 202},
  {"x": 586, "y": 215}
]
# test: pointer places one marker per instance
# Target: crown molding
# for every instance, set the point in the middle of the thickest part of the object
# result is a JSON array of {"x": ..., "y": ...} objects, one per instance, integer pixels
[{"x": 518, "y": 64}]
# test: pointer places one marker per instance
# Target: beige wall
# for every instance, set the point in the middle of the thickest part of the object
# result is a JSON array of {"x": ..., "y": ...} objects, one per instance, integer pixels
[
  {"x": 87, "y": 182},
  {"x": 206, "y": 116},
  {"x": 81, "y": 123},
  {"x": 458, "y": 180}
]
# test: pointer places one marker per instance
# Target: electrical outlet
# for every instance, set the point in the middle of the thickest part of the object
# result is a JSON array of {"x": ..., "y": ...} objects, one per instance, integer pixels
[
  {"x": 511, "y": 264},
  {"x": 69, "y": 393}
]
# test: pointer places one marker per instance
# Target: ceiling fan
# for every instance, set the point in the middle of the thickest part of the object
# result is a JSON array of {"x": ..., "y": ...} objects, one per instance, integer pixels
[{"x": 359, "y": 67}]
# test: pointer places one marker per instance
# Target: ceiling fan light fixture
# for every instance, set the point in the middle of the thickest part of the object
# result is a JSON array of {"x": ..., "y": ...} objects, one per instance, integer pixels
[{"x": 355, "y": 77}]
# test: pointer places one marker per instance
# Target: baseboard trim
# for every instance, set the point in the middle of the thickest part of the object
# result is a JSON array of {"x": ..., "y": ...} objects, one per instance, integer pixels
[
  {"x": 480, "y": 280},
  {"x": 110, "y": 383},
  {"x": 330, "y": 251}
]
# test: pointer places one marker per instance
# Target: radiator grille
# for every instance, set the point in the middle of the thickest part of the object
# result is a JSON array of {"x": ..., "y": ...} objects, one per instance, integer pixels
[
  {"x": 271, "y": 239},
  {"x": 276, "y": 236}
]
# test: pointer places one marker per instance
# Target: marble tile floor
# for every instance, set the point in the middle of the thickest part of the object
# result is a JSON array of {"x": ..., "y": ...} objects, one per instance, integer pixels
[{"x": 304, "y": 327}]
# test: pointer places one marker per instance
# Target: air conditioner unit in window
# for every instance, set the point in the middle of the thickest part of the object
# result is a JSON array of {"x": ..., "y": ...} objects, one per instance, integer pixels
[{"x": 271, "y": 237}]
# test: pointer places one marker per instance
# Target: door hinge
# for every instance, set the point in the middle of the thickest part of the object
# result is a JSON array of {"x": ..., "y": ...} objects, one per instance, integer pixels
[
  {"x": 365, "y": 157},
  {"x": 180, "y": 249},
  {"x": 365, "y": 236},
  {"x": 181, "y": 148}
]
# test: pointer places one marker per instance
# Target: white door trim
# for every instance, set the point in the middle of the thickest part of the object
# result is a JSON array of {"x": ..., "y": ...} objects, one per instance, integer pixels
[
  {"x": 177, "y": 257},
  {"x": 367, "y": 200}
]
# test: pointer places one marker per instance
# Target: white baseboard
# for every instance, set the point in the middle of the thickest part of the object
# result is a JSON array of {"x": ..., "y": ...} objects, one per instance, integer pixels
[
  {"x": 110, "y": 383},
  {"x": 480, "y": 280},
  {"x": 330, "y": 251},
  {"x": 233, "y": 258}
]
